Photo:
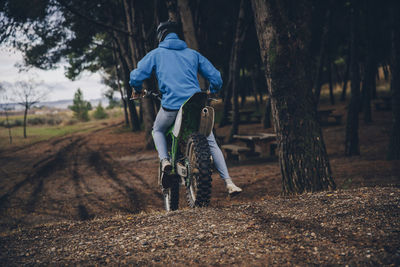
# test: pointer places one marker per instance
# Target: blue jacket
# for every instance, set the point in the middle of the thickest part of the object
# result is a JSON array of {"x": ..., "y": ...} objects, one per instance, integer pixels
[{"x": 176, "y": 67}]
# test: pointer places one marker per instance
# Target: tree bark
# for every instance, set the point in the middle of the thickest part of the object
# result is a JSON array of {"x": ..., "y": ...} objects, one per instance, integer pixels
[
  {"x": 352, "y": 146},
  {"x": 283, "y": 34},
  {"x": 394, "y": 144},
  {"x": 188, "y": 31},
  {"x": 173, "y": 15}
]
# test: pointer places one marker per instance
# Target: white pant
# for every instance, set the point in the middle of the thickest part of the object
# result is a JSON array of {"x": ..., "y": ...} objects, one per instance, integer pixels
[{"x": 163, "y": 122}]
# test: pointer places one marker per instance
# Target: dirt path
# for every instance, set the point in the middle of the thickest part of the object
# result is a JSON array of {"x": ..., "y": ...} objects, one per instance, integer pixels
[
  {"x": 105, "y": 172},
  {"x": 73, "y": 177},
  {"x": 100, "y": 173},
  {"x": 92, "y": 198},
  {"x": 350, "y": 227}
]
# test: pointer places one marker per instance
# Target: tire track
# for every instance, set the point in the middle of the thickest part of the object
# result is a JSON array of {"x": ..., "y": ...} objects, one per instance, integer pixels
[
  {"x": 74, "y": 167},
  {"x": 42, "y": 172}
]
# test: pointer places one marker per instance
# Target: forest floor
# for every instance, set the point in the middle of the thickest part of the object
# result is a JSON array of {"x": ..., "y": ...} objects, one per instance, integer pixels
[{"x": 92, "y": 198}]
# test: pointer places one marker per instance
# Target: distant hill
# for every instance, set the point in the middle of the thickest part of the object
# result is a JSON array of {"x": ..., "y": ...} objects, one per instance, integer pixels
[{"x": 59, "y": 104}]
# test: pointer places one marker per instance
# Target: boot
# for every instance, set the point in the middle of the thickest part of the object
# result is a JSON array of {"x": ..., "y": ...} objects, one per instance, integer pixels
[{"x": 231, "y": 187}]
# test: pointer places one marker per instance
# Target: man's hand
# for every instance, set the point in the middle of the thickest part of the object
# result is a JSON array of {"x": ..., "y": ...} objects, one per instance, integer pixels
[
  {"x": 135, "y": 95},
  {"x": 212, "y": 95}
]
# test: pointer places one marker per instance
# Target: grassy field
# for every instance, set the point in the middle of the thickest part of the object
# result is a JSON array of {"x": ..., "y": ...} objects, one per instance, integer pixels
[
  {"x": 37, "y": 133},
  {"x": 43, "y": 132}
]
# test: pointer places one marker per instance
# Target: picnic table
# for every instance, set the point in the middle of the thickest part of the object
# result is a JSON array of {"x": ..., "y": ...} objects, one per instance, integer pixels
[
  {"x": 325, "y": 114},
  {"x": 247, "y": 115},
  {"x": 261, "y": 144},
  {"x": 384, "y": 103}
]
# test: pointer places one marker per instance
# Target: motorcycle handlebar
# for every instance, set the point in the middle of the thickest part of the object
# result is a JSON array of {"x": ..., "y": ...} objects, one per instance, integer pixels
[
  {"x": 146, "y": 93},
  {"x": 143, "y": 94}
]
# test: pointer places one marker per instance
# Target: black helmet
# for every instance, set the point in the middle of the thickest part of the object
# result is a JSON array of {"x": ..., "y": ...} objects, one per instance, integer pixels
[{"x": 166, "y": 27}]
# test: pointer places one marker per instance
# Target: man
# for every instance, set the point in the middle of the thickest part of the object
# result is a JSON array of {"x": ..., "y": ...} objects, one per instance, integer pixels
[{"x": 176, "y": 67}]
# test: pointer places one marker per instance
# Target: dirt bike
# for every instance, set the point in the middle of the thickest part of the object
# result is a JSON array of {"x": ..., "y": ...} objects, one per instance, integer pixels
[{"x": 189, "y": 153}]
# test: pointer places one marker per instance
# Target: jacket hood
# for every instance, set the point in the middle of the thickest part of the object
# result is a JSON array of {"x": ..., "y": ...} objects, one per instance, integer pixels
[{"x": 172, "y": 41}]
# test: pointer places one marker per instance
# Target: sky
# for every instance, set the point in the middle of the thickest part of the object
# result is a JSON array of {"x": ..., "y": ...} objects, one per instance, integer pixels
[{"x": 60, "y": 87}]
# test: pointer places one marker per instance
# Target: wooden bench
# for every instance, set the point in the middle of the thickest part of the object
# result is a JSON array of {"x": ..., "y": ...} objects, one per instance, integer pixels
[
  {"x": 235, "y": 152},
  {"x": 338, "y": 118},
  {"x": 325, "y": 116},
  {"x": 246, "y": 116},
  {"x": 383, "y": 104}
]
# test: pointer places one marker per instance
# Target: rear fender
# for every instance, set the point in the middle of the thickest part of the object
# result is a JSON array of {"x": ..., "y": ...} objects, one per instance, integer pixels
[
  {"x": 178, "y": 123},
  {"x": 206, "y": 121}
]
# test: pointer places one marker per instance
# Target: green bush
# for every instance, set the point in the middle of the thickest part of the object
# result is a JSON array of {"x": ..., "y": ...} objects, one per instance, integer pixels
[
  {"x": 100, "y": 113},
  {"x": 71, "y": 121},
  {"x": 17, "y": 122},
  {"x": 36, "y": 121},
  {"x": 53, "y": 120}
]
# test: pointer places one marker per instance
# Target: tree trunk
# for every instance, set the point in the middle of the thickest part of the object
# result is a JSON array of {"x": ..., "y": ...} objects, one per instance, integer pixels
[
  {"x": 345, "y": 79},
  {"x": 189, "y": 31},
  {"x": 318, "y": 79},
  {"x": 173, "y": 15},
  {"x": 233, "y": 75},
  {"x": 254, "y": 85},
  {"x": 331, "y": 95},
  {"x": 284, "y": 50},
  {"x": 25, "y": 116},
  {"x": 123, "y": 98},
  {"x": 322, "y": 55},
  {"x": 8, "y": 125},
  {"x": 129, "y": 18},
  {"x": 376, "y": 74},
  {"x": 369, "y": 71},
  {"x": 131, "y": 105},
  {"x": 227, "y": 102},
  {"x": 385, "y": 72},
  {"x": 141, "y": 48},
  {"x": 352, "y": 142},
  {"x": 267, "y": 115},
  {"x": 234, "y": 70},
  {"x": 242, "y": 88},
  {"x": 126, "y": 62},
  {"x": 394, "y": 144}
]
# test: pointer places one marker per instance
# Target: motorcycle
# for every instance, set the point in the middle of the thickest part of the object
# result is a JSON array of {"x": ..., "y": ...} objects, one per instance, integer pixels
[{"x": 189, "y": 153}]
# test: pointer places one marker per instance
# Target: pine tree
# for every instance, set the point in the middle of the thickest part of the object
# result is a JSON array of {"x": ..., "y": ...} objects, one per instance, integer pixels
[{"x": 80, "y": 106}]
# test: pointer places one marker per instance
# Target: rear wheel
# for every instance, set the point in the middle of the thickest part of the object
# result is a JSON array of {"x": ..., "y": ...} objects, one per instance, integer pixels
[{"x": 198, "y": 190}]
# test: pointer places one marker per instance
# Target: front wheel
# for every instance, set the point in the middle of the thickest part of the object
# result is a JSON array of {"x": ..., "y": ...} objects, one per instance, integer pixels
[
  {"x": 171, "y": 197},
  {"x": 171, "y": 193},
  {"x": 198, "y": 188}
]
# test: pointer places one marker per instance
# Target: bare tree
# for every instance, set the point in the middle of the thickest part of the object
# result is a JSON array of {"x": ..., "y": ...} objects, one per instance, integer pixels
[
  {"x": 27, "y": 94},
  {"x": 5, "y": 107}
]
